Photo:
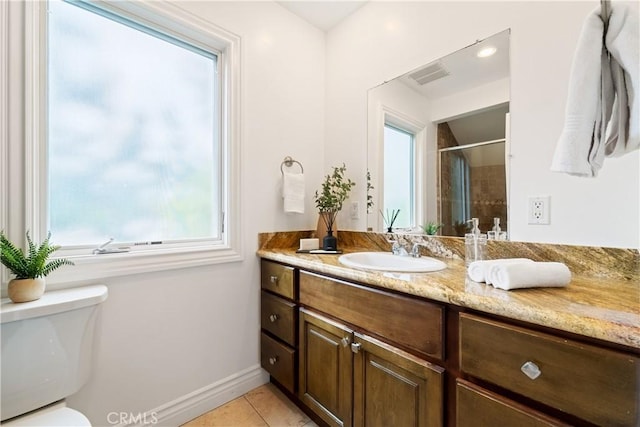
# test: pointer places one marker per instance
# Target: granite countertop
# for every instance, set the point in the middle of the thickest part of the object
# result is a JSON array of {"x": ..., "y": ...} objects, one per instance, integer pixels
[{"x": 605, "y": 308}]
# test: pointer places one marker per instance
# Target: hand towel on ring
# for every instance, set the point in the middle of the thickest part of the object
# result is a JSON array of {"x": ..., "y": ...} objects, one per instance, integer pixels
[{"x": 293, "y": 192}]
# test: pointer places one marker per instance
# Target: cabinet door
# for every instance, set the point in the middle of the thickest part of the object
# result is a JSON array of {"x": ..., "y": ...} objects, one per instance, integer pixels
[
  {"x": 278, "y": 278},
  {"x": 326, "y": 367},
  {"x": 279, "y": 360},
  {"x": 477, "y": 407},
  {"x": 278, "y": 316},
  {"x": 596, "y": 384},
  {"x": 394, "y": 388}
]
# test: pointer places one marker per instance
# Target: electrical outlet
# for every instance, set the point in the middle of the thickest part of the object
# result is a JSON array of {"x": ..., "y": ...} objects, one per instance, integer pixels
[
  {"x": 539, "y": 210},
  {"x": 355, "y": 210}
]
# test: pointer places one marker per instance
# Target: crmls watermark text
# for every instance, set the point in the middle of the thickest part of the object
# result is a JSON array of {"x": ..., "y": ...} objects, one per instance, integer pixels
[{"x": 131, "y": 418}]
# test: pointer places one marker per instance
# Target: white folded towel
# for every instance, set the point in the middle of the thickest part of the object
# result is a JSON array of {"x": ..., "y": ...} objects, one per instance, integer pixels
[
  {"x": 529, "y": 275},
  {"x": 603, "y": 112},
  {"x": 293, "y": 192},
  {"x": 478, "y": 271}
]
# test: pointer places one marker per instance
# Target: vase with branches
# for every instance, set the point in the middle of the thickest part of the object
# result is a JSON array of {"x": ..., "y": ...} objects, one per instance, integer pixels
[{"x": 329, "y": 199}]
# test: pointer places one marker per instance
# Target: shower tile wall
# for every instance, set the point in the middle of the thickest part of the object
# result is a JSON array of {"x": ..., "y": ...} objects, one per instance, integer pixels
[{"x": 488, "y": 196}]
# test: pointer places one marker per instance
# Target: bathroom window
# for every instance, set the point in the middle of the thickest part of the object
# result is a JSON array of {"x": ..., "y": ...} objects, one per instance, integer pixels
[
  {"x": 399, "y": 176},
  {"x": 137, "y": 128}
]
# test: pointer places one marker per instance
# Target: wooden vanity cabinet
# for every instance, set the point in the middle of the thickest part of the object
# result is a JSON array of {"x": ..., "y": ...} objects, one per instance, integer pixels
[
  {"x": 360, "y": 356},
  {"x": 598, "y": 385},
  {"x": 415, "y": 324},
  {"x": 279, "y": 319},
  {"x": 350, "y": 378}
]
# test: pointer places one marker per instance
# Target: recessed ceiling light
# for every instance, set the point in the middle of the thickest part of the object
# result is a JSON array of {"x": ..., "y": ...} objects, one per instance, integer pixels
[{"x": 487, "y": 51}]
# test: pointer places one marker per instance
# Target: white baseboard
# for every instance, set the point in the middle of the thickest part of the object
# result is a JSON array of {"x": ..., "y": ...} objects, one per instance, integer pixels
[{"x": 190, "y": 406}]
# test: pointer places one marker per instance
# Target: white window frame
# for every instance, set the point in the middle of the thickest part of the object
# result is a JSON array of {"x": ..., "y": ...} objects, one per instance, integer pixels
[
  {"x": 168, "y": 18},
  {"x": 413, "y": 163},
  {"x": 4, "y": 123},
  {"x": 387, "y": 115}
]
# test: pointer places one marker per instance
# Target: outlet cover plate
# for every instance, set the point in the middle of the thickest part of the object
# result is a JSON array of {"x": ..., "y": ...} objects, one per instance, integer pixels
[{"x": 538, "y": 210}]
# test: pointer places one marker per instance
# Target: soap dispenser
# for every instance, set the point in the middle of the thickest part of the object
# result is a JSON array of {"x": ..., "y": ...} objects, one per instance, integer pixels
[
  {"x": 496, "y": 233},
  {"x": 475, "y": 243}
]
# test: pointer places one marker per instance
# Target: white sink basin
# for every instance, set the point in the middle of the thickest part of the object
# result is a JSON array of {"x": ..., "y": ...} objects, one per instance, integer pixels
[{"x": 385, "y": 261}]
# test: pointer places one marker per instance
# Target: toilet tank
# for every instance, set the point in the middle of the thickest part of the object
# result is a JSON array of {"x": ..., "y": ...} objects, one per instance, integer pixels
[{"x": 47, "y": 347}]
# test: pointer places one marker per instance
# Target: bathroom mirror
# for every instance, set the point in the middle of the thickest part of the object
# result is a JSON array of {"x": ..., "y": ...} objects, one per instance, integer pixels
[{"x": 438, "y": 145}]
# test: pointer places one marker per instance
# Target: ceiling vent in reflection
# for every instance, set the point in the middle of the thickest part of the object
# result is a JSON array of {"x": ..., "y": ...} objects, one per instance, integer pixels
[{"x": 429, "y": 73}]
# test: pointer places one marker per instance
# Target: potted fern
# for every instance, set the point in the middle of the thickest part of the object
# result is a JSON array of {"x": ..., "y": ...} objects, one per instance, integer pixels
[
  {"x": 30, "y": 269},
  {"x": 334, "y": 191}
]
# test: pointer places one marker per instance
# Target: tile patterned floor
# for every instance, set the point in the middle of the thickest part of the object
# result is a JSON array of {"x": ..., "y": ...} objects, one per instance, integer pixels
[{"x": 264, "y": 406}]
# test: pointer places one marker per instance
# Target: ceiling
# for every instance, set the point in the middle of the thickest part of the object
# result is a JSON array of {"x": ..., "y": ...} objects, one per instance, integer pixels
[
  {"x": 464, "y": 70},
  {"x": 322, "y": 14}
]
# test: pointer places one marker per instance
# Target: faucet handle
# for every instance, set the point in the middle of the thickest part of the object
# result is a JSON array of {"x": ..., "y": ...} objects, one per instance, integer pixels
[{"x": 415, "y": 250}]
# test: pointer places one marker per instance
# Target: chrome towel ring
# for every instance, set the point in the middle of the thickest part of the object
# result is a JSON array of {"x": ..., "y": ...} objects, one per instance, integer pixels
[{"x": 288, "y": 162}]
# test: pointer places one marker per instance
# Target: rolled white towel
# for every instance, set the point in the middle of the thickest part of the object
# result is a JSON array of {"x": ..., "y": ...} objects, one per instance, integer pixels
[
  {"x": 529, "y": 275},
  {"x": 478, "y": 271}
]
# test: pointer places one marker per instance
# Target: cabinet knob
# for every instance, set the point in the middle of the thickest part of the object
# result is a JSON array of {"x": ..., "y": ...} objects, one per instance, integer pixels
[
  {"x": 273, "y": 279},
  {"x": 345, "y": 341},
  {"x": 531, "y": 370},
  {"x": 273, "y": 318},
  {"x": 273, "y": 360}
]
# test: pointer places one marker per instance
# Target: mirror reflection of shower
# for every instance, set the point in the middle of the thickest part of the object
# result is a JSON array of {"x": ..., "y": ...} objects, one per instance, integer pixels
[
  {"x": 472, "y": 177},
  {"x": 442, "y": 90}
]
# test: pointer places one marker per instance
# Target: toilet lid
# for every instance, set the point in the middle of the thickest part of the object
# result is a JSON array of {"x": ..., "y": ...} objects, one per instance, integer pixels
[{"x": 59, "y": 417}]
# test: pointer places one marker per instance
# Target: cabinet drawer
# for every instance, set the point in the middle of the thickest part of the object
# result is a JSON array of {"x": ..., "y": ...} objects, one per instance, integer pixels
[
  {"x": 278, "y": 316},
  {"x": 595, "y": 384},
  {"x": 409, "y": 322},
  {"x": 278, "y": 359},
  {"x": 277, "y": 278},
  {"x": 477, "y": 407}
]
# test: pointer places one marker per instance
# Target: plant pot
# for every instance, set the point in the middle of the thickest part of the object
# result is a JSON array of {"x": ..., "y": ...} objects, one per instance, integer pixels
[
  {"x": 321, "y": 229},
  {"x": 25, "y": 290},
  {"x": 329, "y": 242}
]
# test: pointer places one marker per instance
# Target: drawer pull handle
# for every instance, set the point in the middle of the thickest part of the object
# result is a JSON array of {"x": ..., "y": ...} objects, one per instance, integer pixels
[
  {"x": 274, "y": 279},
  {"x": 531, "y": 370},
  {"x": 273, "y": 360},
  {"x": 345, "y": 341},
  {"x": 273, "y": 318}
]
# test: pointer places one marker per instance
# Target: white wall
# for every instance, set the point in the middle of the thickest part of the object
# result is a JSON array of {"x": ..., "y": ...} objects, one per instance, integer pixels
[
  {"x": 385, "y": 39},
  {"x": 165, "y": 336},
  {"x": 478, "y": 98}
]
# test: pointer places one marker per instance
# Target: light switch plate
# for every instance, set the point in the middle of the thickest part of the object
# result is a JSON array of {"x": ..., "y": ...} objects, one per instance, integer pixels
[{"x": 355, "y": 210}]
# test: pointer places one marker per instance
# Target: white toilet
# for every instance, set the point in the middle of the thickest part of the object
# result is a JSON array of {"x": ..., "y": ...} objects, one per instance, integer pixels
[{"x": 46, "y": 355}]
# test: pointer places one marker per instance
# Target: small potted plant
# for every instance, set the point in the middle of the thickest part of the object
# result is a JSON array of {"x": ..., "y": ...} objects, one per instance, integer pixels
[
  {"x": 335, "y": 190},
  {"x": 30, "y": 269},
  {"x": 431, "y": 228}
]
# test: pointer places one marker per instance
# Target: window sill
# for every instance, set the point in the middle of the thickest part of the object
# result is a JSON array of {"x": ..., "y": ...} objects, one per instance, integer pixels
[{"x": 98, "y": 267}]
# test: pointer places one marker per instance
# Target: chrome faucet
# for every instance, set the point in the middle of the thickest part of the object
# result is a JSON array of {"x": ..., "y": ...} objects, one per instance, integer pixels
[
  {"x": 415, "y": 250},
  {"x": 399, "y": 247}
]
